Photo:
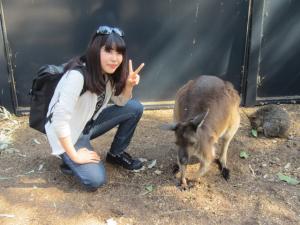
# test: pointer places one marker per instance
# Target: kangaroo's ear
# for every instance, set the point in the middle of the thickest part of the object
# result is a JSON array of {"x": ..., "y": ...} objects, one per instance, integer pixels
[
  {"x": 199, "y": 119},
  {"x": 172, "y": 126}
]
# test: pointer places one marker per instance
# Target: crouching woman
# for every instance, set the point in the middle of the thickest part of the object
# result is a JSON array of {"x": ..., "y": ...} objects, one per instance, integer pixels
[{"x": 79, "y": 111}]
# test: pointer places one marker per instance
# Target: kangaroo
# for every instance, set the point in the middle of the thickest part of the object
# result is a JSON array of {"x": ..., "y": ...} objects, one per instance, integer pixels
[
  {"x": 271, "y": 120},
  {"x": 205, "y": 110}
]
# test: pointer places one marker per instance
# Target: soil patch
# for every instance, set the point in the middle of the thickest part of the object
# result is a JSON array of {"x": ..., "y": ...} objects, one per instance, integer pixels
[{"x": 34, "y": 191}]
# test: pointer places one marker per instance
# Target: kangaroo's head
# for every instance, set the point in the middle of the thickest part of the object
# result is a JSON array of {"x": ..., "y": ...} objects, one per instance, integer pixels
[{"x": 186, "y": 136}]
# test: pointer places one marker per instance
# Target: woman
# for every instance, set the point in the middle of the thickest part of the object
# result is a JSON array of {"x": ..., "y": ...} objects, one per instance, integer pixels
[{"x": 79, "y": 111}]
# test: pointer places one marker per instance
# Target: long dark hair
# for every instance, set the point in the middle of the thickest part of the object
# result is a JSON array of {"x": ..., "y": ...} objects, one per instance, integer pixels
[{"x": 94, "y": 80}]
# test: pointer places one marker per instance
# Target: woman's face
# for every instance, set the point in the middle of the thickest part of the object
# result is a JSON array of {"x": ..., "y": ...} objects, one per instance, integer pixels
[{"x": 110, "y": 60}]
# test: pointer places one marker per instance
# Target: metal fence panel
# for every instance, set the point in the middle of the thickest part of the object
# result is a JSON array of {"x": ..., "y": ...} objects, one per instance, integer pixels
[{"x": 178, "y": 40}]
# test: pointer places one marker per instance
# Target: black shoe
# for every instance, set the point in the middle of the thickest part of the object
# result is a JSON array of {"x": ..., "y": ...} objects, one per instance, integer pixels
[
  {"x": 124, "y": 160},
  {"x": 65, "y": 169}
]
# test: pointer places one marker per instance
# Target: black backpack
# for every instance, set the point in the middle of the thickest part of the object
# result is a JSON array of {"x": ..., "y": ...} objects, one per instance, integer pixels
[{"x": 42, "y": 90}]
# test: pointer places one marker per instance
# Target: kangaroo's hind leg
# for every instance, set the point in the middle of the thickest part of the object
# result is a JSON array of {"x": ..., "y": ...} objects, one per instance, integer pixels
[{"x": 224, "y": 148}]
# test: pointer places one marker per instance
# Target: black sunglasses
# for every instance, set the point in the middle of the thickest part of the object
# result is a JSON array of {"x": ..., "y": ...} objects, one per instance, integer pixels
[{"x": 105, "y": 30}]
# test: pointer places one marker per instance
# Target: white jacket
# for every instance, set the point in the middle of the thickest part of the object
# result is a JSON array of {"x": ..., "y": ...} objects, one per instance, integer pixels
[{"x": 71, "y": 111}]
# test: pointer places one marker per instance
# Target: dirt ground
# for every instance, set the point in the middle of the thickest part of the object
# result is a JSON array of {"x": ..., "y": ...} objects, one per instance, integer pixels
[{"x": 34, "y": 191}]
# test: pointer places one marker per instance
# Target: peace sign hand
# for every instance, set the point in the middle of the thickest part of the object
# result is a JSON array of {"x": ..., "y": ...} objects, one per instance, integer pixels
[{"x": 133, "y": 77}]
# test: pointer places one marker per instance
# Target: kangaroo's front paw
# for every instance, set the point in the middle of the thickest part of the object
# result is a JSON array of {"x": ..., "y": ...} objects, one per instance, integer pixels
[{"x": 183, "y": 185}]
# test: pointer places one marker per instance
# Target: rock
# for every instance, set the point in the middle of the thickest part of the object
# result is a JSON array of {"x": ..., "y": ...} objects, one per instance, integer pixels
[
  {"x": 287, "y": 166},
  {"x": 152, "y": 164},
  {"x": 3, "y": 146},
  {"x": 158, "y": 172}
]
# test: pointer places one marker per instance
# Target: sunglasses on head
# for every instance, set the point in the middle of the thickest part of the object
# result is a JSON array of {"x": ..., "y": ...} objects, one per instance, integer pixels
[{"x": 106, "y": 30}]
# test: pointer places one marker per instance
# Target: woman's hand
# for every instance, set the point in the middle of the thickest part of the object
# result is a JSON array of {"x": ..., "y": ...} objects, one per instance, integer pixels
[
  {"x": 86, "y": 156},
  {"x": 133, "y": 77}
]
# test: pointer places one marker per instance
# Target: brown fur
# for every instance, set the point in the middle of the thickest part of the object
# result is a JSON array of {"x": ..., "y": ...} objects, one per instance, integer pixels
[
  {"x": 271, "y": 120},
  {"x": 220, "y": 101}
]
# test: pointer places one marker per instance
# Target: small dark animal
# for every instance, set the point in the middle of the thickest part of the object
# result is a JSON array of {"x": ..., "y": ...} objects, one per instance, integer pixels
[
  {"x": 206, "y": 109},
  {"x": 271, "y": 120}
]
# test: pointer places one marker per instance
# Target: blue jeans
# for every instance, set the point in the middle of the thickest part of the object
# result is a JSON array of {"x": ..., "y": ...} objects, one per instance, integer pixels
[{"x": 93, "y": 175}]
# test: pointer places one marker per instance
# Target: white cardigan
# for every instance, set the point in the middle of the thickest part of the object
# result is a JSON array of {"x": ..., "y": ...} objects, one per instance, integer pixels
[{"x": 71, "y": 111}]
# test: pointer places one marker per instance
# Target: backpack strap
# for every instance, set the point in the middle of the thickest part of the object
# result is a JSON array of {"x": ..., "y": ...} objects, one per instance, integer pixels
[{"x": 82, "y": 70}]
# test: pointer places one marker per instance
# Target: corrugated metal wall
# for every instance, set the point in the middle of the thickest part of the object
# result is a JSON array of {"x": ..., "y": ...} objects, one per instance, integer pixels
[
  {"x": 178, "y": 40},
  {"x": 274, "y": 71},
  {"x": 5, "y": 87},
  {"x": 280, "y": 50}
]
